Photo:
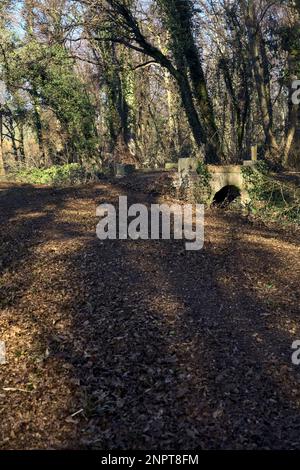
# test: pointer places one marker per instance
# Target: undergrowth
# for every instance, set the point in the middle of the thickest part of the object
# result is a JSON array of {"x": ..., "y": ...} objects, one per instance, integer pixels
[
  {"x": 202, "y": 189},
  {"x": 271, "y": 199},
  {"x": 70, "y": 173}
]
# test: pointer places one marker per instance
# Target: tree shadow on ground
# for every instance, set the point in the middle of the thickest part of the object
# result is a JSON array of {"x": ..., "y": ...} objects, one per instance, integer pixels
[
  {"x": 156, "y": 347},
  {"x": 180, "y": 350}
]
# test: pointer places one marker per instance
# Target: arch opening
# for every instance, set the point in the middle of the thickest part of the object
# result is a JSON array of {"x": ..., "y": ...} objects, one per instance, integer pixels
[{"x": 226, "y": 196}]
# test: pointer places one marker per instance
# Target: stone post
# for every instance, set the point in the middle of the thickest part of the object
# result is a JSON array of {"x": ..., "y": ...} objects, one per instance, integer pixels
[{"x": 254, "y": 153}]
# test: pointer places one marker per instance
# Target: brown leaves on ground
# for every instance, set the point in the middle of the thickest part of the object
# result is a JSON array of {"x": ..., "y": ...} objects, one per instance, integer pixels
[{"x": 141, "y": 344}]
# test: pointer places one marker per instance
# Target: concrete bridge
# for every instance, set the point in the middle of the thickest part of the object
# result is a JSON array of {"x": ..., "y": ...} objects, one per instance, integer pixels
[{"x": 226, "y": 181}]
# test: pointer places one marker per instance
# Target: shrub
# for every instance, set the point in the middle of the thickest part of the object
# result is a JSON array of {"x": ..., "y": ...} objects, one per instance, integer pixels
[
  {"x": 271, "y": 198},
  {"x": 202, "y": 171},
  {"x": 71, "y": 173}
]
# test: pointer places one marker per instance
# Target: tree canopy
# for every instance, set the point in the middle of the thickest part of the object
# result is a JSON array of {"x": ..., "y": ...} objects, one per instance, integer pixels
[{"x": 149, "y": 81}]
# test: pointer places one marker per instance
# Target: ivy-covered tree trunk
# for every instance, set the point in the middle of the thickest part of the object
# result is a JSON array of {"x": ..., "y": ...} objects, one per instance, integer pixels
[
  {"x": 187, "y": 70},
  {"x": 179, "y": 15},
  {"x": 129, "y": 96},
  {"x": 39, "y": 131},
  {"x": 116, "y": 72},
  {"x": 10, "y": 126}
]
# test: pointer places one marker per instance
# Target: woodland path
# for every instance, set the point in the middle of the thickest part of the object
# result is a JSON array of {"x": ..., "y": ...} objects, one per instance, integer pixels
[{"x": 153, "y": 347}]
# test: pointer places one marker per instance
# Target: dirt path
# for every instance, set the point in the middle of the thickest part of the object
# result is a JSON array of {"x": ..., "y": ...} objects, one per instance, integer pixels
[{"x": 141, "y": 344}]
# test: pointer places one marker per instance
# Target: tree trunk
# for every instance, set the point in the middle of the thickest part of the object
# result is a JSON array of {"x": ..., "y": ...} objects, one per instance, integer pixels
[
  {"x": 292, "y": 138},
  {"x": 203, "y": 132},
  {"x": 39, "y": 131},
  {"x": 261, "y": 76},
  {"x": 2, "y": 169},
  {"x": 21, "y": 146},
  {"x": 179, "y": 14},
  {"x": 12, "y": 134}
]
